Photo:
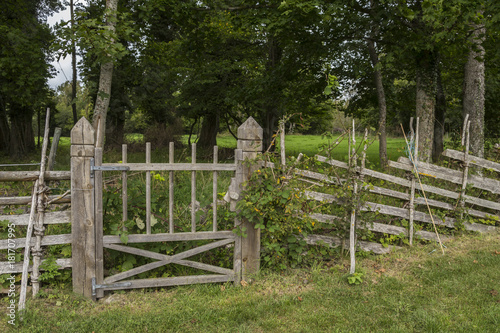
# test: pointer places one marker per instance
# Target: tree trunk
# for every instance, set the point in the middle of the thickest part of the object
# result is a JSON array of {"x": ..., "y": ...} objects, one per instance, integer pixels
[
  {"x": 105, "y": 79},
  {"x": 382, "y": 106},
  {"x": 269, "y": 128},
  {"x": 473, "y": 90},
  {"x": 73, "y": 65},
  {"x": 209, "y": 129},
  {"x": 271, "y": 108},
  {"x": 21, "y": 133},
  {"x": 425, "y": 103},
  {"x": 438, "y": 147},
  {"x": 4, "y": 131}
]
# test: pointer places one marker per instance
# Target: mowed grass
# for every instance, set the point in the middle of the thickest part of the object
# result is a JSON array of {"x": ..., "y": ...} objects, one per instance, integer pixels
[
  {"x": 411, "y": 290},
  {"x": 311, "y": 145}
]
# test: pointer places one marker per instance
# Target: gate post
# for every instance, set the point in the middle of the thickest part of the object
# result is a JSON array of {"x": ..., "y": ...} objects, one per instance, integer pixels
[
  {"x": 82, "y": 208},
  {"x": 250, "y": 136}
]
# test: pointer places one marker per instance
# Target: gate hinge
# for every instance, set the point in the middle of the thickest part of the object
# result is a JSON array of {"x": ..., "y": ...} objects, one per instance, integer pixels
[
  {"x": 93, "y": 168},
  {"x": 101, "y": 286}
]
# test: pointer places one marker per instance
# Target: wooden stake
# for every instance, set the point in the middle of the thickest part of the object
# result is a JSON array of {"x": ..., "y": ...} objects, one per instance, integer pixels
[
  {"x": 36, "y": 204},
  {"x": 148, "y": 189},
  {"x": 352, "y": 230},
  {"x": 282, "y": 142},
  {"x": 422, "y": 189}
]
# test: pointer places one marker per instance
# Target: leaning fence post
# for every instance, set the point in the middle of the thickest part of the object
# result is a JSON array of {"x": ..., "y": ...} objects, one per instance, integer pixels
[
  {"x": 82, "y": 208},
  {"x": 250, "y": 136}
]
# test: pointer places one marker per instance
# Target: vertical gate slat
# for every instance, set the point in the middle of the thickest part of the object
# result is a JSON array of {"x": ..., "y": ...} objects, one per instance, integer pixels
[
  {"x": 148, "y": 189},
  {"x": 99, "y": 234},
  {"x": 214, "y": 193},
  {"x": 171, "y": 189},
  {"x": 124, "y": 186},
  {"x": 193, "y": 189},
  {"x": 238, "y": 246},
  {"x": 352, "y": 230},
  {"x": 413, "y": 184}
]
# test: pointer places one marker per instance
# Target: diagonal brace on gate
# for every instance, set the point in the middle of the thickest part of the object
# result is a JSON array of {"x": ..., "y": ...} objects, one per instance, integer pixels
[{"x": 166, "y": 259}]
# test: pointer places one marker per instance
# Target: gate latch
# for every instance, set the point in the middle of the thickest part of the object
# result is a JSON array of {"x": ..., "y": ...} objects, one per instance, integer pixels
[
  {"x": 102, "y": 286},
  {"x": 93, "y": 168}
]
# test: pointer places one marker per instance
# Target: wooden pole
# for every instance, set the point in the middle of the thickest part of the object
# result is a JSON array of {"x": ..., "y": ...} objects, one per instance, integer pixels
[
  {"x": 99, "y": 223},
  {"x": 413, "y": 184},
  {"x": 282, "y": 142},
  {"x": 53, "y": 148},
  {"x": 124, "y": 186},
  {"x": 214, "y": 191},
  {"x": 465, "y": 143},
  {"x": 352, "y": 229},
  {"x": 250, "y": 136},
  {"x": 148, "y": 189},
  {"x": 37, "y": 205},
  {"x": 193, "y": 189},
  {"x": 82, "y": 208},
  {"x": 414, "y": 162},
  {"x": 171, "y": 189},
  {"x": 27, "y": 247}
]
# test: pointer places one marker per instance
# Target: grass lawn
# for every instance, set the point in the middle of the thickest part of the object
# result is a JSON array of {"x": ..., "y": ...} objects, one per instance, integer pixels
[
  {"x": 312, "y": 144},
  {"x": 411, "y": 290}
]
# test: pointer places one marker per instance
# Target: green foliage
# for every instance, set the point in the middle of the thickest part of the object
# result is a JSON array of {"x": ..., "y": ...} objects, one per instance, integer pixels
[
  {"x": 274, "y": 201},
  {"x": 50, "y": 268},
  {"x": 356, "y": 278}
]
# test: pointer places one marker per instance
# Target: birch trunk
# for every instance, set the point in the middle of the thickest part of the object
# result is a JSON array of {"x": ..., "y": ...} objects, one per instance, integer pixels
[
  {"x": 105, "y": 79},
  {"x": 382, "y": 106}
]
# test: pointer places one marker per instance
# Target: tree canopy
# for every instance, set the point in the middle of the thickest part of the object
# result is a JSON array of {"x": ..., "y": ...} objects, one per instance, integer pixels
[{"x": 204, "y": 66}]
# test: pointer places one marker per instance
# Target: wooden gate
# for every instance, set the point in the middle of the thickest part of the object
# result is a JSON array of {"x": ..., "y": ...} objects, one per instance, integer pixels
[{"x": 89, "y": 241}]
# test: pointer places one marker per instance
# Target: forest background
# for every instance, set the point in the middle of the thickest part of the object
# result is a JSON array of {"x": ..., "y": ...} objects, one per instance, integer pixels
[{"x": 165, "y": 68}]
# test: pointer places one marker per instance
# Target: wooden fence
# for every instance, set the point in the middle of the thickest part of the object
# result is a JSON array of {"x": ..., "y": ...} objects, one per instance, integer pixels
[
  {"x": 86, "y": 215},
  {"x": 411, "y": 199}
]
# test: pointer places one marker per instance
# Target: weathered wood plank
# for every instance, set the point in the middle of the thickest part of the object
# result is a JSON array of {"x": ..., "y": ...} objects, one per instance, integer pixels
[
  {"x": 171, "y": 189},
  {"x": 336, "y": 241},
  {"x": 171, "y": 259},
  {"x": 317, "y": 176},
  {"x": 249, "y": 141},
  {"x": 99, "y": 223},
  {"x": 453, "y": 176},
  {"x": 457, "y": 155},
  {"x": 193, "y": 189},
  {"x": 25, "y": 200},
  {"x": 175, "y": 166},
  {"x": 82, "y": 211},
  {"x": 407, "y": 183},
  {"x": 377, "y": 227},
  {"x": 148, "y": 189},
  {"x": 5, "y": 266},
  {"x": 395, "y": 211},
  {"x": 23, "y": 176},
  {"x": 27, "y": 242},
  {"x": 367, "y": 172},
  {"x": 124, "y": 186},
  {"x": 50, "y": 218},
  {"x": 46, "y": 241},
  {"x": 175, "y": 281},
  {"x": 214, "y": 191},
  {"x": 167, "y": 237},
  {"x": 53, "y": 148}
]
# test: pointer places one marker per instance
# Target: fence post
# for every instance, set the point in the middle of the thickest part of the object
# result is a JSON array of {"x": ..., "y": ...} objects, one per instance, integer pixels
[
  {"x": 250, "y": 136},
  {"x": 82, "y": 208}
]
